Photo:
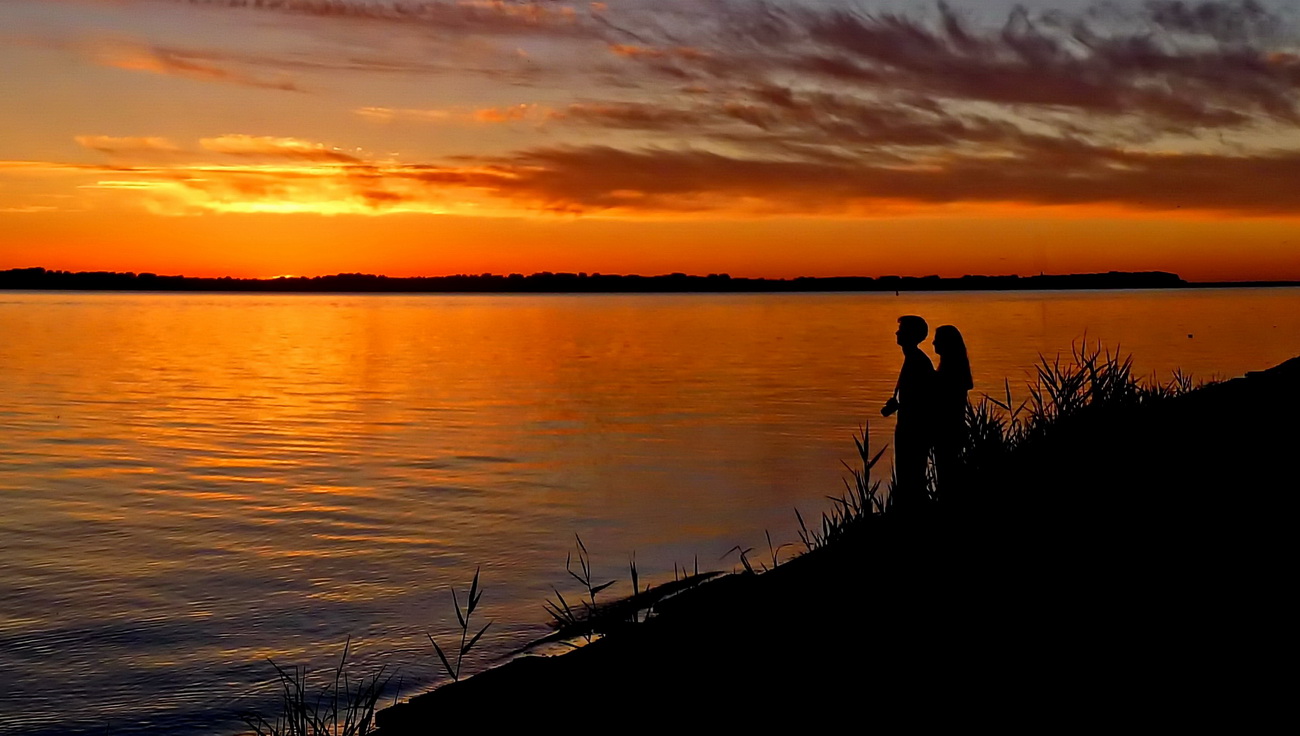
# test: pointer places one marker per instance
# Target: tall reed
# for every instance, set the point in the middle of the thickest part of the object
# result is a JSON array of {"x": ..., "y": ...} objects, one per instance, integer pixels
[
  {"x": 342, "y": 707},
  {"x": 1064, "y": 390},
  {"x": 1088, "y": 381},
  {"x": 462, "y": 618},
  {"x": 860, "y": 502}
]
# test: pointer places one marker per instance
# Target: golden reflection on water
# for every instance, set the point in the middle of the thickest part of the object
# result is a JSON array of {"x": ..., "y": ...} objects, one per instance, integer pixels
[{"x": 194, "y": 481}]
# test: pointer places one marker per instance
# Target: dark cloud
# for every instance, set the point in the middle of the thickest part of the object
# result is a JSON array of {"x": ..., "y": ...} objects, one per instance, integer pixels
[
  {"x": 597, "y": 178},
  {"x": 638, "y": 116},
  {"x": 1171, "y": 63},
  {"x": 778, "y": 117},
  {"x": 1027, "y": 62},
  {"x": 1234, "y": 22}
]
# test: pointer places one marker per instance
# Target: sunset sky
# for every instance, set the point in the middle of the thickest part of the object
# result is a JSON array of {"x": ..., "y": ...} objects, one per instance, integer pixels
[{"x": 810, "y": 137}]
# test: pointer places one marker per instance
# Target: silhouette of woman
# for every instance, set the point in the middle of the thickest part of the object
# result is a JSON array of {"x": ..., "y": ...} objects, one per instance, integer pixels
[{"x": 952, "y": 382}]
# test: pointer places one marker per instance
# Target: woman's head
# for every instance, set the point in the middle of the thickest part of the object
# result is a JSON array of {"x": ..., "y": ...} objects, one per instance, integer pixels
[
  {"x": 947, "y": 340},
  {"x": 953, "y": 362}
]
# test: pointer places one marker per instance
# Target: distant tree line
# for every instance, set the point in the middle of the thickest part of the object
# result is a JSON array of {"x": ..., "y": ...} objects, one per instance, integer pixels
[{"x": 547, "y": 282}]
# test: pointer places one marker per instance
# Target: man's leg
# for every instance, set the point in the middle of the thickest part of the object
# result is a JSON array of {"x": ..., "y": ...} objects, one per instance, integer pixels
[{"x": 910, "y": 453}]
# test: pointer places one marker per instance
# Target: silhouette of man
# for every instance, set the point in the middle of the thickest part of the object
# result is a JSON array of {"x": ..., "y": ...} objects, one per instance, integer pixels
[{"x": 912, "y": 400}]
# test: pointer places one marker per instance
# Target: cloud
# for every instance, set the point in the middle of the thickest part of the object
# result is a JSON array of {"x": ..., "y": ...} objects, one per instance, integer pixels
[
  {"x": 1166, "y": 64},
  {"x": 388, "y": 114},
  {"x": 726, "y": 107},
  {"x": 646, "y": 52},
  {"x": 599, "y": 178},
  {"x": 180, "y": 63},
  {"x": 490, "y": 17},
  {"x": 604, "y": 180},
  {"x": 637, "y": 116},
  {"x": 1170, "y": 64},
  {"x": 1071, "y": 64},
  {"x": 503, "y": 114},
  {"x": 270, "y": 147},
  {"x": 483, "y": 115},
  {"x": 128, "y": 145},
  {"x": 1232, "y": 22},
  {"x": 810, "y": 122}
]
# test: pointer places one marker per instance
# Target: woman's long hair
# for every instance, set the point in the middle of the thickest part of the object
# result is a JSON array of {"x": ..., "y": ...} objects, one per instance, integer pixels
[{"x": 953, "y": 362}]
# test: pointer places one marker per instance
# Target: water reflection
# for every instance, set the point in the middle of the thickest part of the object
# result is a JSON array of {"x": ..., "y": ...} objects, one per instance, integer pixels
[{"x": 196, "y": 482}]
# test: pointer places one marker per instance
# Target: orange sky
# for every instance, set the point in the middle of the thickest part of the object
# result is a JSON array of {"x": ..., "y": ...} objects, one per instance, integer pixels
[{"x": 813, "y": 138}]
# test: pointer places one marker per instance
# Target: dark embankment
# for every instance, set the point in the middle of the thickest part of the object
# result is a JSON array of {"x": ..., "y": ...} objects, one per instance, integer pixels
[{"x": 1130, "y": 567}]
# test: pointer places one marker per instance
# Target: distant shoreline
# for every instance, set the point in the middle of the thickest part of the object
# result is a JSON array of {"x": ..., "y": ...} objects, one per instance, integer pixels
[{"x": 40, "y": 279}]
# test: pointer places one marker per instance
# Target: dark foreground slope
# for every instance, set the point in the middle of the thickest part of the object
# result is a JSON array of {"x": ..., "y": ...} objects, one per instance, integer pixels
[{"x": 1133, "y": 568}]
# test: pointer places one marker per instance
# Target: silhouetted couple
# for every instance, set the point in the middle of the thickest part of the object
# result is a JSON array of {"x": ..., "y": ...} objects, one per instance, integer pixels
[{"x": 931, "y": 406}]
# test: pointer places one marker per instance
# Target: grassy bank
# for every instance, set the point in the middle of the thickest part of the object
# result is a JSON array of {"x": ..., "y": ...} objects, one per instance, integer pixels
[{"x": 1111, "y": 548}]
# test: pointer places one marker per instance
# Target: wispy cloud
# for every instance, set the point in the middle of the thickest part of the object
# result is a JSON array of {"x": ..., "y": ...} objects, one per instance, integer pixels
[
  {"x": 389, "y": 114},
  {"x": 504, "y": 114},
  {"x": 481, "y": 115},
  {"x": 451, "y": 17},
  {"x": 649, "y": 52},
  {"x": 141, "y": 57},
  {"x": 270, "y": 147},
  {"x": 126, "y": 145}
]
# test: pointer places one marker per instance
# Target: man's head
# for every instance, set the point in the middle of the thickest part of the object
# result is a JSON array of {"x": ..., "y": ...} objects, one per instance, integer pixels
[{"x": 911, "y": 330}]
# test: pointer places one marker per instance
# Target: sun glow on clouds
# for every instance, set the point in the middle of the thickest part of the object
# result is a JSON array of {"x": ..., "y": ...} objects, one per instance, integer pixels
[
  {"x": 267, "y": 146},
  {"x": 296, "y": 176},
  {"x": 296, "y": 189}
]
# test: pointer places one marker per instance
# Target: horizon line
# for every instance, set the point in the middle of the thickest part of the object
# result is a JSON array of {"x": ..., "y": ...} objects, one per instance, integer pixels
[
  {"x": 39, "y": 278},
  {"x": 725, "y": 276},
  {"x": 590, "y": 274}
]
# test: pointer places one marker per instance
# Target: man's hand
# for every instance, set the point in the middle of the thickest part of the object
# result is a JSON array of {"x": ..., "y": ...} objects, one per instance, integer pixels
[{"x": 890, "y": 407}]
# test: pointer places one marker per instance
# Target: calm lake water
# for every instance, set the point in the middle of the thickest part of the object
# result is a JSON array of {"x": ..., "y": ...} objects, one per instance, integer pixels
[{"x": 194, "y": 483}]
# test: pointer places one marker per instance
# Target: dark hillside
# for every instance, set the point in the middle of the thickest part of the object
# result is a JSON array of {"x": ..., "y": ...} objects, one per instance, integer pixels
[{"x": 1130, "y": 565}]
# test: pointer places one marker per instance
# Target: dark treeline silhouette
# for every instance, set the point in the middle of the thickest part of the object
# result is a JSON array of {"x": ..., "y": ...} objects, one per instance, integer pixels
[{"x": 547, "y": 282}]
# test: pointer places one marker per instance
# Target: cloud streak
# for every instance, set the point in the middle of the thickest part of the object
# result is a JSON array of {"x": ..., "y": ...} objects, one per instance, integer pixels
[
  {"x": 600, "y": 178},
  {"x": 613, "y": 182},
  {"x": 126, "y": 145},
  {"x": 269, "y": 147},
  {"x": 184, "y": 64},
  {"x": 488, "y": 17}
]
